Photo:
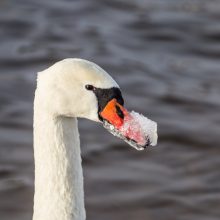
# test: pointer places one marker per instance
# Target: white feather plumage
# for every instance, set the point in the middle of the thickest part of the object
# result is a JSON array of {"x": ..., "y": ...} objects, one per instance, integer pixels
[{"x": 60, "y": 98}]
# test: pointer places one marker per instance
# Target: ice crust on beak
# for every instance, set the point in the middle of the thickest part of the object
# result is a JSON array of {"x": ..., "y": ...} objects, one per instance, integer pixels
[{"x": 137, "y": 130}]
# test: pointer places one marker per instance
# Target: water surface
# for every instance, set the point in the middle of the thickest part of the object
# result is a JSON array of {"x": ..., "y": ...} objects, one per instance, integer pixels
[{"x": 166, "y": 57}]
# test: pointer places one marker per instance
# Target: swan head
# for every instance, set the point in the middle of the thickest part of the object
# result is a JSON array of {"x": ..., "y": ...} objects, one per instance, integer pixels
[{"x": 79, "y": 88}]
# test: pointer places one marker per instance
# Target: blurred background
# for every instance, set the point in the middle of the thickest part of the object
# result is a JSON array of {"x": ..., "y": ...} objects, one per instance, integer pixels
[{"x": 165, "y": 55}]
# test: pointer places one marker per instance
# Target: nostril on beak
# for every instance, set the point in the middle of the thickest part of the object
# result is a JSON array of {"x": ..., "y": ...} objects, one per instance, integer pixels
[{"x": 119, "y": 112}]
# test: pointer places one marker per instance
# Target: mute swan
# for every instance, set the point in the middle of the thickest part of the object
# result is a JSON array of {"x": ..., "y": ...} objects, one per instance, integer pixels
[{"x": 69, "y": 89}]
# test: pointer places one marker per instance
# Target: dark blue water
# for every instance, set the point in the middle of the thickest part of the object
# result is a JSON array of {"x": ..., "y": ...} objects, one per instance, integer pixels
[{"x": 165, "y": 55}]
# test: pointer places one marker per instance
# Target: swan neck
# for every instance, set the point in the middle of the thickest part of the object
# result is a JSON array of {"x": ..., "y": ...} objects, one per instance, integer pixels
[{"x": 58, "y": 172}]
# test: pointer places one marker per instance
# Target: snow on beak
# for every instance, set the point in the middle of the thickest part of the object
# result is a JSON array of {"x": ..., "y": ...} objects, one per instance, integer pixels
[{"x": 133, "y": 128}]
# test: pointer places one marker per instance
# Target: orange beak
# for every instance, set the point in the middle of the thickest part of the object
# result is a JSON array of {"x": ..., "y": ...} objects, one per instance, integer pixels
[
  {"x": 131, "y": 127},
  {"x": 114, "y": 113}
]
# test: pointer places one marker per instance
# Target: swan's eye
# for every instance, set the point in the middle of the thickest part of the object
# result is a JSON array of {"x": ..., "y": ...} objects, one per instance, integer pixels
[{"x": 90, "y": 87}]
